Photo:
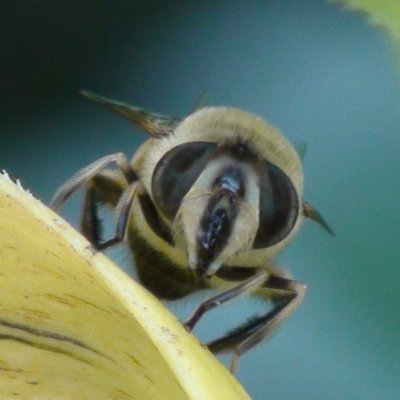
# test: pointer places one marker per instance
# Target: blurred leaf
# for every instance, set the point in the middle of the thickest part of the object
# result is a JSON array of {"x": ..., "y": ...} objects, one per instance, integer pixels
[{"x": 383, "y": 13}]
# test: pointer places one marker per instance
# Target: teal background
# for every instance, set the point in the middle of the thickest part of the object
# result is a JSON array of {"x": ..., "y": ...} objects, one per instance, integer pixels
[{"x": 318, "y": 73}]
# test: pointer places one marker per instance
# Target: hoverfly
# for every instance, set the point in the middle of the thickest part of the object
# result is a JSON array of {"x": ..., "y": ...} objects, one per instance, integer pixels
[{"x": 206, "y": 202}]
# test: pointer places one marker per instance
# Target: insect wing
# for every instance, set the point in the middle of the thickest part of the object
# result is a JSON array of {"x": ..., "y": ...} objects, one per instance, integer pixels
[{"x": 153, "y": 123}]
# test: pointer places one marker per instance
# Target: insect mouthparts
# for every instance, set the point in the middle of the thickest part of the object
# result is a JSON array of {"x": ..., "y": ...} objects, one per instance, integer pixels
[{"x": 215, "y": 226}]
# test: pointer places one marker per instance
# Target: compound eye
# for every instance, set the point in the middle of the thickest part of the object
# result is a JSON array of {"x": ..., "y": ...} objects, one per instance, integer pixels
[
  {"x": 176, "y": 172},
  {"x": 279, "y": 206}
]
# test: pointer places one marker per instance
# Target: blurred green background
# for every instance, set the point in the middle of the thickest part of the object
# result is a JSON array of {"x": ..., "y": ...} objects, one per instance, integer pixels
[{"x": 318, "y": 73}]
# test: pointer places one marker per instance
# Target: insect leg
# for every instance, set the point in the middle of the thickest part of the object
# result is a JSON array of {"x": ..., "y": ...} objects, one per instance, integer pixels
[
  {"x": 104, "y": 188},
  {"x": 250, "y": 284},
  {"x": 122, "y": 216},
  {"x": 287, "y": 295},
  {"x": 90, "y": 222},
  {"x": 86, "y": 174}
]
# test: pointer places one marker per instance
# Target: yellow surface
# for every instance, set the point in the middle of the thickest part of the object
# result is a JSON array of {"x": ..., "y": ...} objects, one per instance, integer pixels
[{"x": 74, "y": 326}]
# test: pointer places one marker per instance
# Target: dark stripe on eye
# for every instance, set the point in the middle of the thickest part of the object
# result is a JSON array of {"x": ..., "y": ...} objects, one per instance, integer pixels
[
  {"x": 279, "y": 206},
  {"x": 176, "y": 172}
]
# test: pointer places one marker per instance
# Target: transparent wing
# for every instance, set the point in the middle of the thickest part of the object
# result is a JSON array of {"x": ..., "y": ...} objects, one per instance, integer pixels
[
  {"x": 153, "y": 123},
  {"x": 301, "y": 148},
  {"x": 312, "y": 213},
  {"x": 203, "y": 101}
]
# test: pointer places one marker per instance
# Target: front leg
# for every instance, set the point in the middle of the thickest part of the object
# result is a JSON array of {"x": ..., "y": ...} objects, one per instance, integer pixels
[
  {"x": 286, "y": 294},
  {"x": 251, "y": 284},
  {"x": 106, "y": 187},
  {"x": 90, "y": 223},
  {"x": 86, "y": 174}
]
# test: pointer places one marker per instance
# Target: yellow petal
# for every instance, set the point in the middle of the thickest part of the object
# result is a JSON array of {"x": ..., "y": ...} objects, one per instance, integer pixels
[{"x": 74, "y": 326}]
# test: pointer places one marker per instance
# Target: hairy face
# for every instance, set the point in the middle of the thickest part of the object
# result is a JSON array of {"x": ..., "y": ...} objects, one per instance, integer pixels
[{"x": 226, "y": 197}]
